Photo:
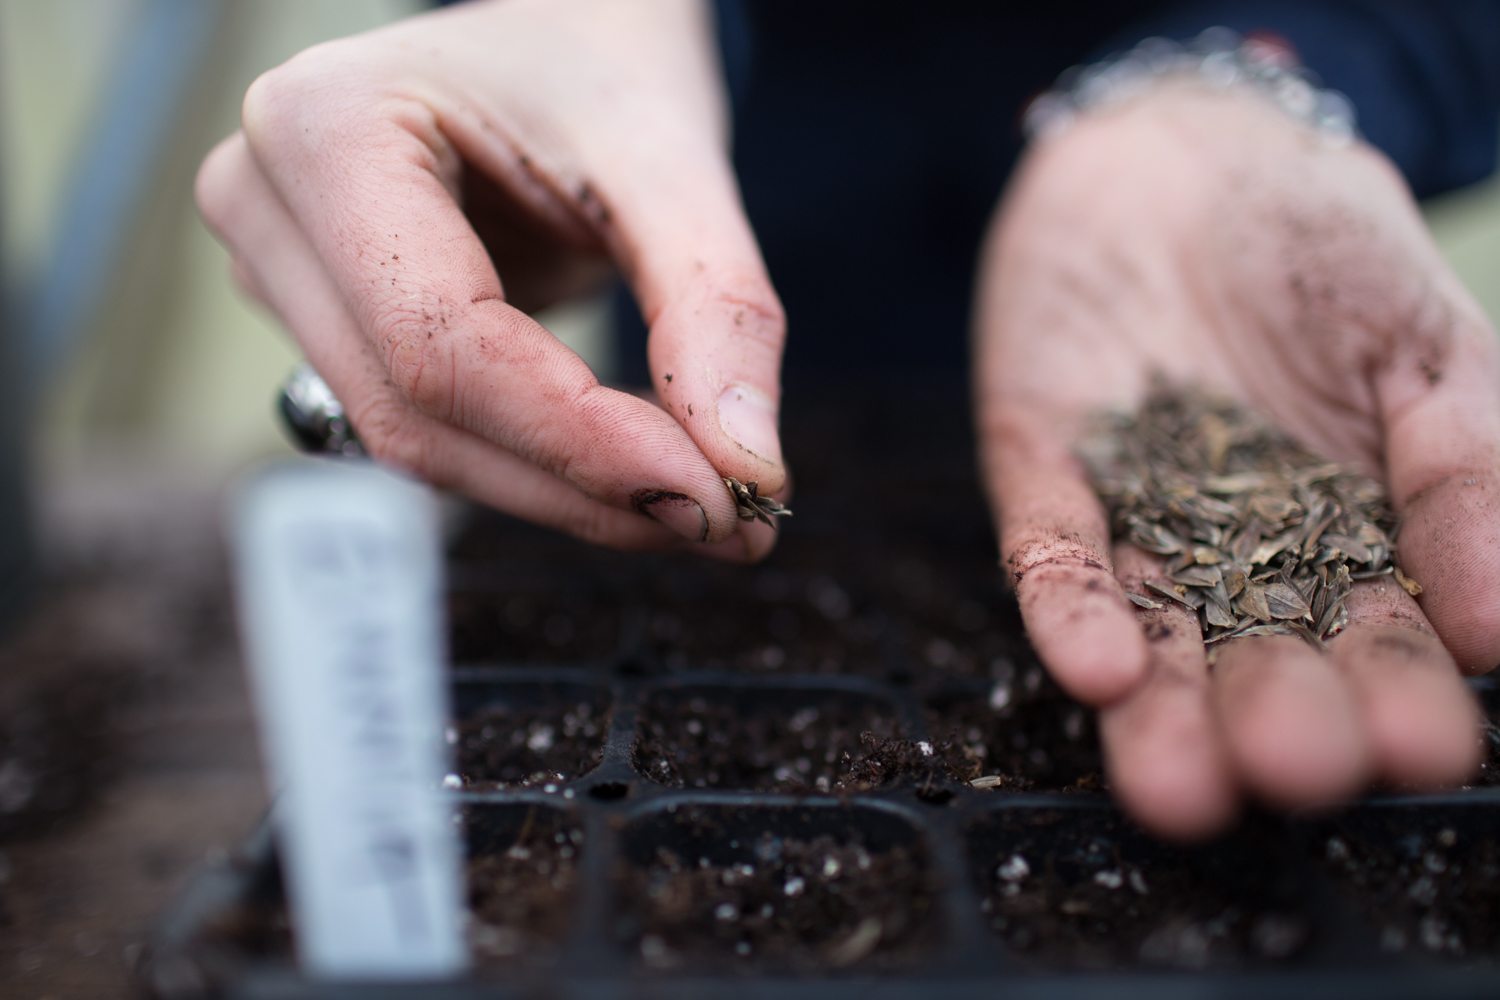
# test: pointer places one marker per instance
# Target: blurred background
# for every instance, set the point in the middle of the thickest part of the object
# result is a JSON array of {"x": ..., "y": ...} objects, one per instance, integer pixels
[
  {"x": 127, "y": 334},
  {"x": 135, "y": 384},
  {"x": 108, "y": 107},
  {"x": 133, "y": 334},
  {"x": 129, "y": 356}
]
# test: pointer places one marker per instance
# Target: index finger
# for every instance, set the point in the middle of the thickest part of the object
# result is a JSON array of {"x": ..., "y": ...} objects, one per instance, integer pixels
[
  {"x": 1054, "y": 542},
  {"x": 373, "y": 199}
]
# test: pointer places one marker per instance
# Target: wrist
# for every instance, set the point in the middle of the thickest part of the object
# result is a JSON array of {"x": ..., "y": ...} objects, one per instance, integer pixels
[
  {"x": 1218, "y": 58},
  {"x": 1181, "y": 151},
  {"x": 1161, "y": 156},
  {"x": 1122, "y": 205}
]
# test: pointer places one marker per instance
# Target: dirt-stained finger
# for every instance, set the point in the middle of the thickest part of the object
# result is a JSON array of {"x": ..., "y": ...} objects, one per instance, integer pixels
[
  {"x": 1166, "y": 758},
  {"x": 1290, "y": 721},
  {"x": 286, "y": 274},
  {"x": 1422, "y": 722},
  {"x": 1055, "y": 549},
  {"x": 369, "y": 183},
  {"x": 1440, "y": 413}
]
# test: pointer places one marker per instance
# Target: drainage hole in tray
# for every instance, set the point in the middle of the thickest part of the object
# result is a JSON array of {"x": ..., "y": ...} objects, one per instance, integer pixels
[{"x": 609, "y": 791}]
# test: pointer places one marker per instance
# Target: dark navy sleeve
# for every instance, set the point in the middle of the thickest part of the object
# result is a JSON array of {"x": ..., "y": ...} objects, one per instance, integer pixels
[{"x": 1424, "y": 77}]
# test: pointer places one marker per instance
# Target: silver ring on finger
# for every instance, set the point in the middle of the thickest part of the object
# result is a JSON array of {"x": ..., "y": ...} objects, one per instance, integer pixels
[{"x": 313, "y": 416}]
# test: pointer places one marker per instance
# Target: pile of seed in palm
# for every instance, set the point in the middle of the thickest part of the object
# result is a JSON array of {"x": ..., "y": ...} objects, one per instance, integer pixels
[{"x": 1257, "y": 535}]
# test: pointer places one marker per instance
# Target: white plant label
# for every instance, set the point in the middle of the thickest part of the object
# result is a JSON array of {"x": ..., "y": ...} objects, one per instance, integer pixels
[{"x": 338, "y": 569}]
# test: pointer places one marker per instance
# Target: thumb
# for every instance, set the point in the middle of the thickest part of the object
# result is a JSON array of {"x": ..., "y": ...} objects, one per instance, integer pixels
[{"x": 716, "y": 325}]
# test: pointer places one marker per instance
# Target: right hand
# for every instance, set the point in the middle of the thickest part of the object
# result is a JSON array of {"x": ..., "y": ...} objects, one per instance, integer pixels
[{"x": 383, "y": 185}]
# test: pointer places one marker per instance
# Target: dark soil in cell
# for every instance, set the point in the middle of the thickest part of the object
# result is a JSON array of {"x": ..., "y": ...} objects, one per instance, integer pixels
[
  {"x": 543, "y": 625},
  {"x": 896, "y": 456},
  {"x": 759, "y": 824},
  {"x": 1428, "y": 882},
  {"x": 1024, "y": 735},
  {"x": 499, "y": 550},
  {"x": 58, "y": 727},
  {"x": 930, "y": 770},
  {"x": 522, "y": 878},
  {"x": 968, "y": 645},
  {"x": 1488, "y": 773},
  {"x": 742, "y": 889},
  {"x": 526, "y": 744},
  {"x": 957, "y": 620},
  {"x": 1489, "y": 767},
  {"x": 1489, "y": 735},
  {"x": 1070, "y": 890},
  {"x": 781, "y": 741},
  {"x": 768, "y": 619}
]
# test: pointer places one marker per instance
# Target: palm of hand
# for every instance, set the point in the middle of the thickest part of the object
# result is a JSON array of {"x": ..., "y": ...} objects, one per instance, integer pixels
[{"x": 1221, "y": 246}]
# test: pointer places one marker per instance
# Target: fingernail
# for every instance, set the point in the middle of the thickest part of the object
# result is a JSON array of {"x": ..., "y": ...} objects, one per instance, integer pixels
[
  {"x": 748, "y": 416},
  {"x": 677, "y": 511}
]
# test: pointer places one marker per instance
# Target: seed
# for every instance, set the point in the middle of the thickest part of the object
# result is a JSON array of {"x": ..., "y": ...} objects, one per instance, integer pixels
[{"x": 1259, "y": 536}]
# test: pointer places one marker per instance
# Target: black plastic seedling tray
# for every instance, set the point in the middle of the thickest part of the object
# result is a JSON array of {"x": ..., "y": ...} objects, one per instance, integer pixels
[{"x": 687, "y": 780}]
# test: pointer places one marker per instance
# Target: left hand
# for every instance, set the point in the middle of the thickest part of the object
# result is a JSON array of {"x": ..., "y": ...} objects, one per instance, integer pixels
[
  {"x": 1207, "y": 236},
  {"x": 403, "y": 199}
]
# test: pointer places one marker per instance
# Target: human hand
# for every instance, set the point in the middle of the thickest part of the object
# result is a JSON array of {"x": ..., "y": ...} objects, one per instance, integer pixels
[
  {"x": 1208, "y": 237},
  {"x": 401, "y": 198}
]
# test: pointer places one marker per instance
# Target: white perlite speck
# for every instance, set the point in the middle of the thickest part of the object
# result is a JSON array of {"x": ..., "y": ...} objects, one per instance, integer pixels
[
  {"x": 1109, "y": 878},
  {"x": 1014, "y": 869}
]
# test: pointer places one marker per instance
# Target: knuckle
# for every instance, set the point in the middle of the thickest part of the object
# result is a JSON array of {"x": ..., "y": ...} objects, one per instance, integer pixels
[
  {"x": 219, "y": 185},
  {"x": 756, "y": 316},
  {"x": 393, "y": 437},
  {"x": 1397, "y": 639},
  {"x": 528, "y": 439},
  {"x": 271, "y": 99},
  {"x": 322, "y": 82},
  {"x": 1473, "y": 639},
  {"x": 1451, "y": 485},
  {"x": 1064, "y": 551},
  {"x": 581, "y": 432},
  {"x": 1015, "y": 437},
  {"x": 421, "y": 364},
  {"x": 589, "y": 522}
]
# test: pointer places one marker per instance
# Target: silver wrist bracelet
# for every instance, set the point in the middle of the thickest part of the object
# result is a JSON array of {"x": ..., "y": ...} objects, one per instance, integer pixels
[{"x": 1218, "y": 57}]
